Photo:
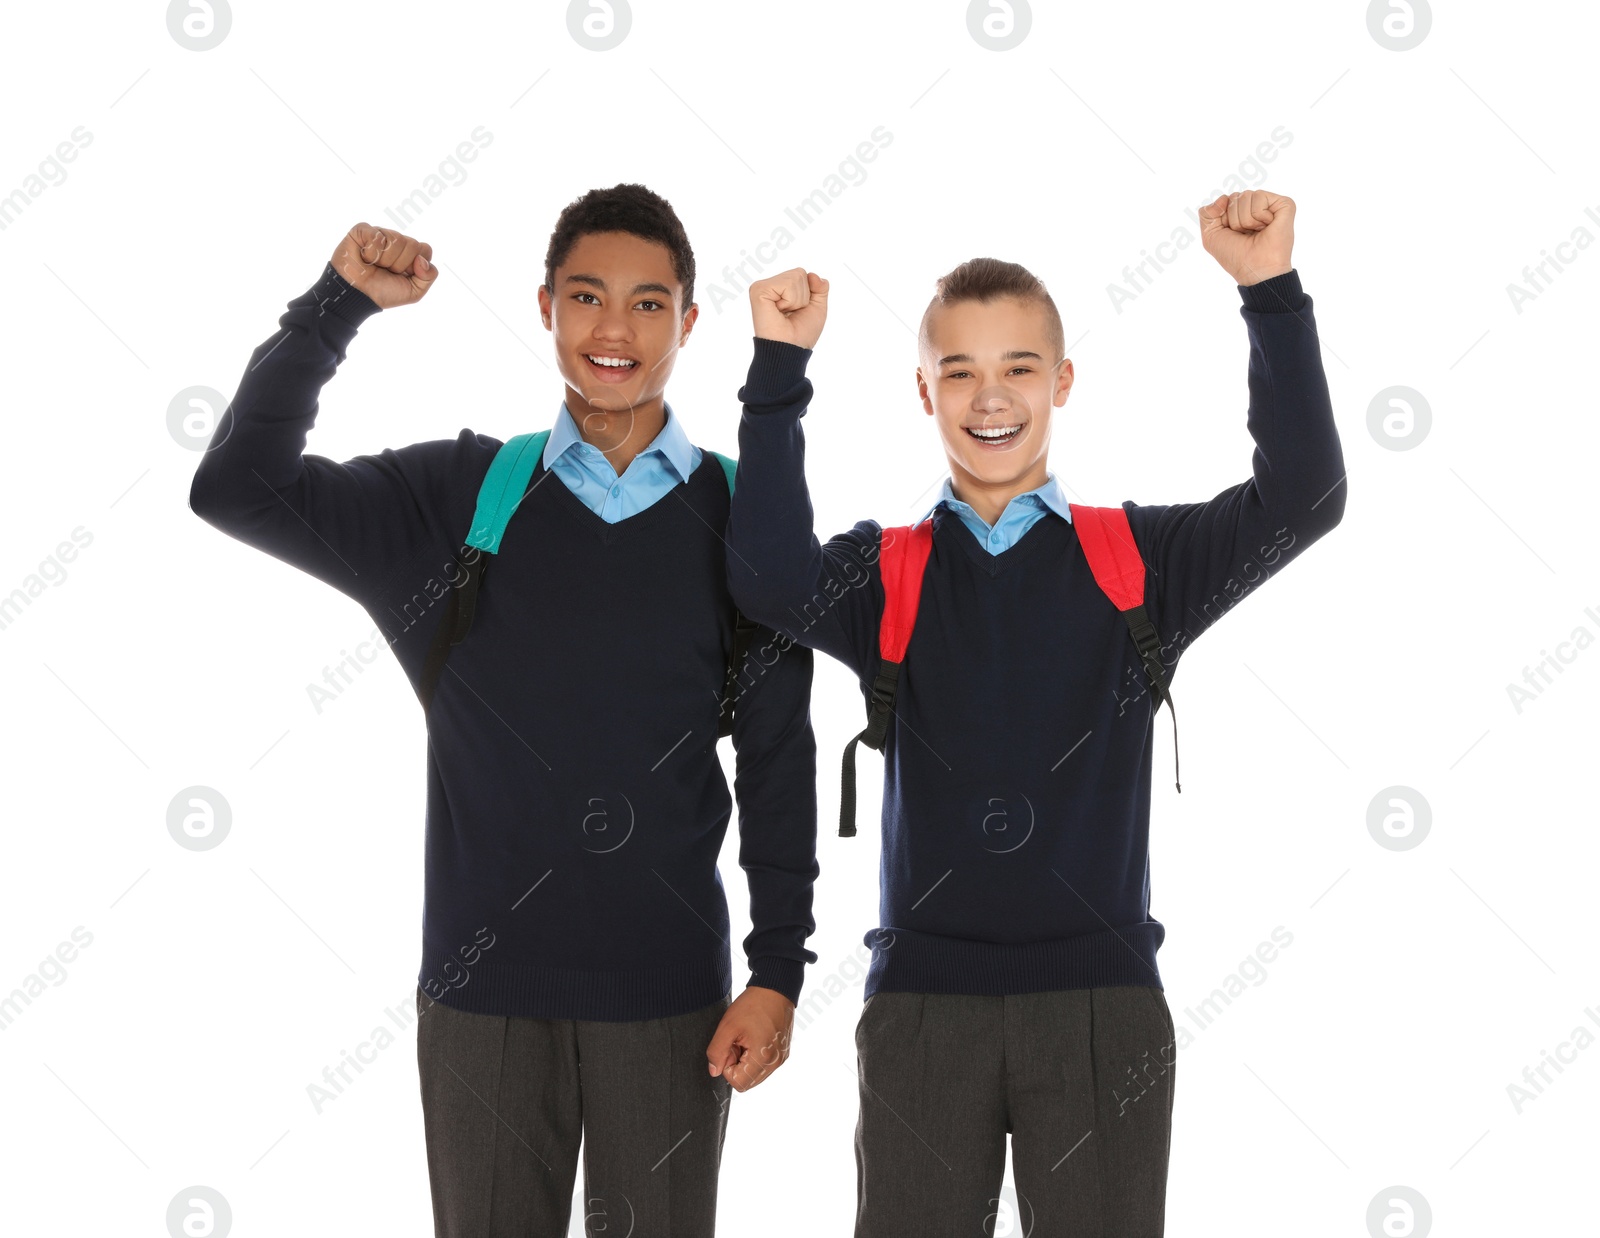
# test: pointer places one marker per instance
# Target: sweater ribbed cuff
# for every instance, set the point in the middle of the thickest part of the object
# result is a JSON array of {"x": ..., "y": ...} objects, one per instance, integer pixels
[
  {"x": 783, "y": 975},
  {"x": 1281, "y": 294},
  {"x": 344, "y": 300},
  {"x": 777, "y": 369}
]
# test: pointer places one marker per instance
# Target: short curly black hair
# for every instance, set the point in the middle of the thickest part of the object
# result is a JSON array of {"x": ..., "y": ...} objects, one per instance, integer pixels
[{"x": 622, "y": 208}]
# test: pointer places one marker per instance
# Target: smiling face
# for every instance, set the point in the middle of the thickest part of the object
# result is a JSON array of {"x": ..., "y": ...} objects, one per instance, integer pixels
[
  {"x": 990, "y": 375},
  {"x": 616, "y": 311}
]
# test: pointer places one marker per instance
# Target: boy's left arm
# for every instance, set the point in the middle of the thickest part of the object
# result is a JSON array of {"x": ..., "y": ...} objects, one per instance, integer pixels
[
  {"x": 775, "y": 784},
  {"x": 1205, "y": 557}
]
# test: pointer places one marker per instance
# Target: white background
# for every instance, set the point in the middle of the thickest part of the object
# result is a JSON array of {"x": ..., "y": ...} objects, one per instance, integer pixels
[{"x": 1378, "y": 1049}]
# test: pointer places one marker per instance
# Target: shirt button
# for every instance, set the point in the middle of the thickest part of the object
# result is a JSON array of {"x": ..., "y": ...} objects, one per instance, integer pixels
[{"x": 616, "y": 489}]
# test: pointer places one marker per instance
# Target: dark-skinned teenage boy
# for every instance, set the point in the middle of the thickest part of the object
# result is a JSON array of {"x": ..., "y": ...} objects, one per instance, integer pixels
[{"x": 575, "y": 973}]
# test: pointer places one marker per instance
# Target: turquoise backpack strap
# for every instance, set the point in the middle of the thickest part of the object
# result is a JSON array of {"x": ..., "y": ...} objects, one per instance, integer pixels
[
  {"x": 499, "y": 494},
  {"x": 503, "y": 488},
  {"x": 743, "y": 631}
]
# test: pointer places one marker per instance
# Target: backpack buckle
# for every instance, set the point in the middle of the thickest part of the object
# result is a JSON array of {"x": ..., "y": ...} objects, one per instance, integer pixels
[{"x": 880, "y": 704}]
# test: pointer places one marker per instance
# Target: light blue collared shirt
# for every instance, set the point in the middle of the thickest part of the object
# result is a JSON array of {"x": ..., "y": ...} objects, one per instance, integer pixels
[
  {"x": 1020, "y": 514},
  {"x": 668, "y": 460}
]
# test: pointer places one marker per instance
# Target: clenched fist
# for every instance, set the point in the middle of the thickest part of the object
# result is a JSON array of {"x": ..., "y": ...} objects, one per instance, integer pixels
[
  {"x": 1251, "y": 234},
  {"x": 752, "y": 1039},
  {"x": 790, "y": 307},
  {"x": 391, "y": 268}
]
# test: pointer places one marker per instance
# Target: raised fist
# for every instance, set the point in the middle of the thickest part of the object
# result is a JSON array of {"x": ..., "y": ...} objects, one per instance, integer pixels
[
  {"x": 1250, "y": 234},
  {"x": 390, "y": 267},
  {"x": 790, "y": 307}
]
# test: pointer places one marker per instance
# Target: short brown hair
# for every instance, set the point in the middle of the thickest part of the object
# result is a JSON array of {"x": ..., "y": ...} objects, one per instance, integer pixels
[{"x": 988, "y": 279}]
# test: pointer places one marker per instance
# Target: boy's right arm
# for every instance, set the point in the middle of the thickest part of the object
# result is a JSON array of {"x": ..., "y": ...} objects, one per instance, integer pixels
[
  {"x": 356, "y": 525},
  {"x": 828, "y": 597}
]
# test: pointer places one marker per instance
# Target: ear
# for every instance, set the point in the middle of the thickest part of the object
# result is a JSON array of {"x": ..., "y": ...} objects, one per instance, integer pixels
[
  {"x": 689, "y": 318},
  {"x": 922, "y": 392},
  {"x": 1064, "y": 377},
  {"x": 544, "y": 307}
]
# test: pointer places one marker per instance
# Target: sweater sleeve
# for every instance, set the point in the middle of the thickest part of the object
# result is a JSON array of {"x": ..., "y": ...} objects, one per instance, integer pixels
[
  {"x": 825, "y": 596},
  {"x": 1205, "y": 557},
  {"x": 356, "y": 525},
  {"x": 775, "y": 784}
]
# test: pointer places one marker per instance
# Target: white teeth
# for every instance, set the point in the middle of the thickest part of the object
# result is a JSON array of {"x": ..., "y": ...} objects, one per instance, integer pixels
[
  {"x": 616, "y": 362},
  {"x": 1007, "y": 432}
]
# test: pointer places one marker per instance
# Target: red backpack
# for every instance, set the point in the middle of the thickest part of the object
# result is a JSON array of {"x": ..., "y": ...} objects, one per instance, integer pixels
[{"x": 1107, "y": 543}]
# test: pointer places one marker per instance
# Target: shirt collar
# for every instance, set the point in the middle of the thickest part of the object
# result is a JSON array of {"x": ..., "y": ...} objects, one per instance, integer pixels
[
  {"x": 1050, "y": 495},
  {"x": 672, "y": 444}
]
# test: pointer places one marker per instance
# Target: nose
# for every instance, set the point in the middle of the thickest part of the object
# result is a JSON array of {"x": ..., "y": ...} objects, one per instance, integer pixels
[
  {"x": 993, "y": 401},
  {"x": 613, "y": 326}
]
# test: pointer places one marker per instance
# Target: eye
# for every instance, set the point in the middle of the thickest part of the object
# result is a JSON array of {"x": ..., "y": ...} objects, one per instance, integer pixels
[
  {"x": 651, "y": 304},
  {"x": 1021, "y": 369},
  {"x": 958, "y": 374},
  {"x": 579, "y": 297}
]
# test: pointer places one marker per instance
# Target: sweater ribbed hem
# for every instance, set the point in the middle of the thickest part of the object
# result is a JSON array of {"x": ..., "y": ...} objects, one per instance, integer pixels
[
  {"x": 1281, "y": 294},
  {"x": 908, "y": 962},
  {"x": 560, "y": 993},
  {"x": 777, "y": 372},
  {"x": 343, "y": 299},
  {"x": 784, "y": 975}
]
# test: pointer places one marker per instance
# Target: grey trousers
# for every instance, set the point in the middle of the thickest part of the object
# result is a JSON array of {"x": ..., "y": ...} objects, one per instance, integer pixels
[
  {"x": 506, "y": 1102},
  {"x": 1081, "y": 1079}
]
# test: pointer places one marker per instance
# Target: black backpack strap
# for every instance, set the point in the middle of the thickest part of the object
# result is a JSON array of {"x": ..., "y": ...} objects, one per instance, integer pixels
[
  {"x": 744, "y": 631},
  {"x": 1148, "y": 642},
  {"x": 879, "y": 708},
  {"x": 456, "y": 621}
]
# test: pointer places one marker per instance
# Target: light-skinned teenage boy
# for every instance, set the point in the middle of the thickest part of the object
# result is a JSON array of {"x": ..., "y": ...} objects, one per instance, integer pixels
[
  {"x": 575, "y": 962},
  {"x": 1013, "y": 986}
]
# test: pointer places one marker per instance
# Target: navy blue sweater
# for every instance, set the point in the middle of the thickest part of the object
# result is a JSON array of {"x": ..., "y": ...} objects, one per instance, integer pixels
[
  {"x": 1016, "y": 807},
  {"x": 575, "y": 804}
]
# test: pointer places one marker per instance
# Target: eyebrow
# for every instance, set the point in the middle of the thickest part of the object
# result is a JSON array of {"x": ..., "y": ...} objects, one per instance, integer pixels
[
  {"x": 599, "y": 283},
  {"x": 1016, "y": 354}
]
